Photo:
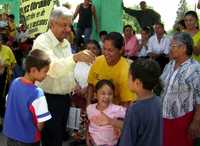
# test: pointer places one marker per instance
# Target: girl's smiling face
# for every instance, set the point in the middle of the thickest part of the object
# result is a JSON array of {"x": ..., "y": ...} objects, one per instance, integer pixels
[{"x": 104, "y": 95}]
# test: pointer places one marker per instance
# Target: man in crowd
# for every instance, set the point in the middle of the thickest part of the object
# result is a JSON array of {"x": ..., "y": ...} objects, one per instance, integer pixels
[
  {"x": 59, "y": 82},
  {"x": 146, "y": 17},
  {"x": 86, "y": 12}
]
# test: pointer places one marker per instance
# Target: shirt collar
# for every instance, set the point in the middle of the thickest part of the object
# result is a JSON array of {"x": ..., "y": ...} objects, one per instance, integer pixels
[
  {"x": 56, "y": 42},
  {"x": 183, "y": 64}
]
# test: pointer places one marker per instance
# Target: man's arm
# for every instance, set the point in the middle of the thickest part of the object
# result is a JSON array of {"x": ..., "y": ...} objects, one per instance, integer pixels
[
  {"x": 132, "y": 12},
  {"x": 156, "y": 17},
  {"x": 62, "y": 66},
  {"x": 76, "y": 12},
  {"x": 194, "y": 128},
  {"x": 95, "y": 18}
]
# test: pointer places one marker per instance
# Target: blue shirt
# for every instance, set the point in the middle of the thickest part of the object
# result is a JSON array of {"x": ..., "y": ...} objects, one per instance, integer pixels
[
  {"x": 143, "y": 124},
  {"x": 26, "y": 106}
]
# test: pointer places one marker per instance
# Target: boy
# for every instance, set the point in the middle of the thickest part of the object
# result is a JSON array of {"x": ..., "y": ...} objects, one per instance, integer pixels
[
  {"x": 143, "y": 122},
  {"x": 26, "y": 106}
]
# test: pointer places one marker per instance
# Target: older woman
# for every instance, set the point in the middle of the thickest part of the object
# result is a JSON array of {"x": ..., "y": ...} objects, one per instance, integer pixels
[{"x": 181, "y": 94}]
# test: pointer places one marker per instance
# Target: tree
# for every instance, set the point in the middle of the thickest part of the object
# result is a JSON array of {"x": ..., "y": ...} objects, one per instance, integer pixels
[
  {"x": 127, "y": 19},
  {"x": 182, "y": 9}
]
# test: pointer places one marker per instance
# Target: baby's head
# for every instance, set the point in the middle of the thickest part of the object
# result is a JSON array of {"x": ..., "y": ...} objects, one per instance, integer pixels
[{"x": 104, "y": 90}]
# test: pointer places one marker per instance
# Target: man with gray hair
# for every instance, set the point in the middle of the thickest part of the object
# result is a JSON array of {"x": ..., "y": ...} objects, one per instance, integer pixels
[{"x": 59, "y": 82}]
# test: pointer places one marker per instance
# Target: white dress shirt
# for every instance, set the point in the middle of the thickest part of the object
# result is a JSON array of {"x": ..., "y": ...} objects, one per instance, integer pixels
[
  {"x": 162, "y": 47},
  {"x": 60, "y": 77}
]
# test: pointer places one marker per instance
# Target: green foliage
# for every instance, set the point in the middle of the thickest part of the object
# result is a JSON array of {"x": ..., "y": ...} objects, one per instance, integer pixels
[
  {"x": 182, "y": 9},
  {"x": 127, "y": 19}
]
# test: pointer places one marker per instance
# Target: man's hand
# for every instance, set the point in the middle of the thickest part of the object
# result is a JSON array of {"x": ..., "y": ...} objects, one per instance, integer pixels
[
  {"x": 194, "y": 129},
  {"x": 84, "y": 56}
]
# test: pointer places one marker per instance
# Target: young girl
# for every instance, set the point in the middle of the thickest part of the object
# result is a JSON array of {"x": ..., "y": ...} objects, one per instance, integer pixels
[
  {"x": 104, "y": 123},
  {"x": 81, "y": 71}
]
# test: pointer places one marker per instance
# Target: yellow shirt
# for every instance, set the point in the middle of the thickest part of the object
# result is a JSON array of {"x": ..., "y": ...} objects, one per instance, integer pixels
[
  {"x": 196, "y": 40},
  {"x": 118, "y": 74},
  {"x": 7, "y": 56}
]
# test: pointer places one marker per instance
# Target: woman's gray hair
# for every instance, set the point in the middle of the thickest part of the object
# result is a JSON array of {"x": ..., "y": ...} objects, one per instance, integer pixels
[
  {"x": 186, "y": 39},
  {"x": 60, "y": 11}
]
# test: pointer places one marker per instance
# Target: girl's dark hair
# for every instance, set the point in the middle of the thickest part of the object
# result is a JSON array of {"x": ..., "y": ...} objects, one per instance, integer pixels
[
  {"x": 146, "y": 29},
  {"x": 38, "y": 59},
  {"x": 101, "y": 83},
  {"x": 193, "y": 14},
  {"x": 127, "y": 26},
  {"x": 103, "y": 32},
  {"x": 96, "y": 44}
]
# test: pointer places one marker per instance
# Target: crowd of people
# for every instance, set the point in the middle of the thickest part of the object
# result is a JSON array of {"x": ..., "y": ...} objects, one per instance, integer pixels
[{"x": 130, "y": 91}]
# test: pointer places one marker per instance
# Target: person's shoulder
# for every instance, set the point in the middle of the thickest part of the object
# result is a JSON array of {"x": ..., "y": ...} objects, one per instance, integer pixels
[
  {"x": 143, "y": 103},
  {"x": 153, "y": 37},
  {"x": 42, "y": 37},
  {"x": 6, "y": 48},
  {"x": 167, "y": 37},
  {"x": 124, "y": 61},
  {"x": 36, "y": 91},
  {"x": 100, "y": 59},
  {"x": 15, "y": 81},
  {"x": 195, "y": 65},
  {"x": 153, "y": 11},
  {"x": 156, "y": 99}
]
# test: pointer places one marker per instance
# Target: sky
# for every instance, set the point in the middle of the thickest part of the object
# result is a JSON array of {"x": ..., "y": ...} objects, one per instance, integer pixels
[{"x": 166, "y": 8}]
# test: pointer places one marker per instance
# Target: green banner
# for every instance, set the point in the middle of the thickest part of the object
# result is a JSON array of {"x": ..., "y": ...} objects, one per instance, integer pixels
[{"x": 109, "y": 14}]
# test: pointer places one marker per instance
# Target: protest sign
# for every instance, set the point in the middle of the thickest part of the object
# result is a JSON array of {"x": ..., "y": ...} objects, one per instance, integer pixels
[{"x": 36, "y": 14}]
